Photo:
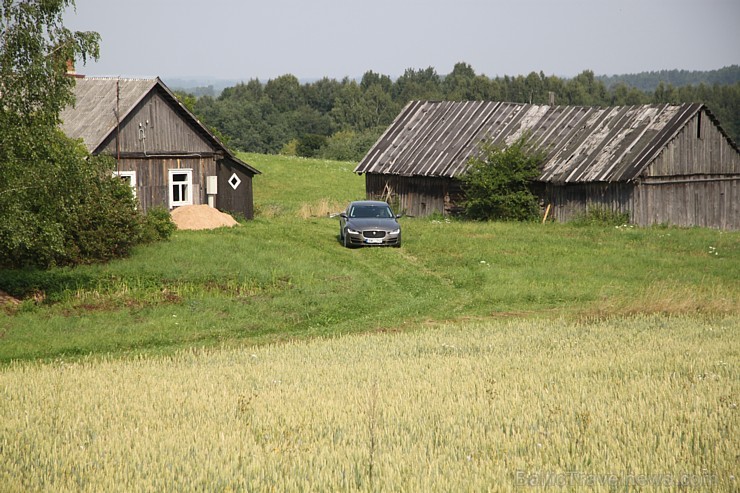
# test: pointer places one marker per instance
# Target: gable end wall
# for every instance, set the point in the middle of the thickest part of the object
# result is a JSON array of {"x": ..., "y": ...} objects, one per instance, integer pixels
[
  {"x": 166, "y": 132},
  {"x": 698, "y": 149},
  {"x": 694, "y": 181}
]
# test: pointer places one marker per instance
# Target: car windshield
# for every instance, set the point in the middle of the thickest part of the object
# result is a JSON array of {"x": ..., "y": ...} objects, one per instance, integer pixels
[{"x": 363, "y": 211}]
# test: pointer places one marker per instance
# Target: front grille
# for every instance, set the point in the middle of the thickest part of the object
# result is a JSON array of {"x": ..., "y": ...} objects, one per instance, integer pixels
[{"x": 373, "y": 234}]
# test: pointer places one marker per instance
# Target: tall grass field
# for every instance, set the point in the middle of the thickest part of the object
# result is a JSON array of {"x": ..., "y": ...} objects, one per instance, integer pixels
[
  {"x": 648, "y": 403},
  {"x": 477, "y": 357}
]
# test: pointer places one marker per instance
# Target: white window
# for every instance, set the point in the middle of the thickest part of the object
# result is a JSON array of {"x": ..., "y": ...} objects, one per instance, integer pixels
[
  {"x": 129, "y": 177},
  {"x": 181, "y": 187}
]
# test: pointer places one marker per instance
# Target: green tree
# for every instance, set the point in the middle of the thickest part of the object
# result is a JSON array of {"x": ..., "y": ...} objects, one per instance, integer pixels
[
  {"x": 34, "y": 50},
  {"x": 261, "y": 120},
  {"x": 352, "y": 109},
  {"x": 321, "y": 95},
  {"x": 306, "y": 120},
  {"x": 348, "y": 145},
  {"x": 664, "y": 93},
  {"x": 284, "y": 92},
  {"x": 417, "y": 85},
  {"x": 188, "y": 100},
  {"x": 309, "y": 145},
  {"x": 584, "y": 89},
  {"x": 251, "y": 91},
  {"x": 622, "y": 94},
  {"x": 497, "y": 183},
  {"x": 57, "y": 204},
  {"x": 378, "y": 107},
  {"x": 458, "y": 85},
  {"x": 371, "y": 78},
  {"x": 534, "y": 88}
]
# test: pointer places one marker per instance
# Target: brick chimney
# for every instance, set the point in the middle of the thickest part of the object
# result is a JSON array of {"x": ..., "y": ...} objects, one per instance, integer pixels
[{"x": 71, "y": 70}]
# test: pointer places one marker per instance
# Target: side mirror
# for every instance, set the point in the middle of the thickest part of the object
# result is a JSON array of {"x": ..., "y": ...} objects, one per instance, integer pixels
[
  {"x": 398, "y": 216},
  {"x": 343, "y": 215}
]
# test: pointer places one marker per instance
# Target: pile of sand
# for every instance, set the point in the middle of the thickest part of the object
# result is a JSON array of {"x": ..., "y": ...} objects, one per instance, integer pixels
[{"x": 201, "y": 217}]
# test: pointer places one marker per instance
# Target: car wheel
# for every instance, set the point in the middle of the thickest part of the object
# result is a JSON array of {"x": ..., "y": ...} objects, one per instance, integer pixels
[{"x": 345, "y": 241}]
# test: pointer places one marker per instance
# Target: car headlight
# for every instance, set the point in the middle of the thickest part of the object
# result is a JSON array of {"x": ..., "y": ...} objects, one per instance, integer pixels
[
  {"x": 352, "y": 231},
  {"x": 395, "y": 231}
]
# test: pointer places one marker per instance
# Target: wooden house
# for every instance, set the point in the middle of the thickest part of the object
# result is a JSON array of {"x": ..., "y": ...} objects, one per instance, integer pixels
[
  {"x": 169, "y": 157},
  {"x": 661, "y": 164}
]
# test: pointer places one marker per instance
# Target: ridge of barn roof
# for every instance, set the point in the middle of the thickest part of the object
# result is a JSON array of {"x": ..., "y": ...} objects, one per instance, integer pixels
[
  {"x": 581, "y": 143},
  {"x": 92, "y": 117}
]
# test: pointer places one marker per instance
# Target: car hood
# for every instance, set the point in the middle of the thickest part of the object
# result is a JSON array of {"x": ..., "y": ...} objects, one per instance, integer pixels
[{"x": 388, "y": 224}]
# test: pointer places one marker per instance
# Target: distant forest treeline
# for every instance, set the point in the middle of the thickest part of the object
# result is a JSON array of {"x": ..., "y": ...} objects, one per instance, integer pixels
[
  {"x": 648, "y": 81},
  {"x": 342, "y": 119}
]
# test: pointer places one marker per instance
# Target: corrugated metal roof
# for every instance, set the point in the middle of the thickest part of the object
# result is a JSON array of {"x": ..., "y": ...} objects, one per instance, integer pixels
[
  {"x": 93, "y": 116},
  {"x": 582, "y": 144}
]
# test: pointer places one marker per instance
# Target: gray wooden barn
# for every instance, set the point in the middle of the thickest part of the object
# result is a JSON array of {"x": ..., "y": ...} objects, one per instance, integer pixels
[
  {"x": 661, "y": 164},
  {"x": 168, "y": 156}
]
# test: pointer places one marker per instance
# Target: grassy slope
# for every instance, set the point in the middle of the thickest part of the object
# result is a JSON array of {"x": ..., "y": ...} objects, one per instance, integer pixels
[{"x": 284, "y": 275}]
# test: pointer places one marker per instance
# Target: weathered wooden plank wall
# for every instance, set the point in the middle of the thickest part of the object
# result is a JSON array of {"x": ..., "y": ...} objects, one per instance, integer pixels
[
  {"x": 694, "y": 180},
  {"x": 164, "y": 131},
  {"x": 698, "y": 149},
  {"x": 235, "y": 200},
  {"x": 710, "y": 201},
  {"x": 415, "y": 195},
  {"x": 574, "y": 200},
  {"x": 152, "y": 177}
]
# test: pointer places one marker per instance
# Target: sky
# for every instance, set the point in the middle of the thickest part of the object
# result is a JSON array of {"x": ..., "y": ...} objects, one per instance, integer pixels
[{"x": 263, "y": 39}]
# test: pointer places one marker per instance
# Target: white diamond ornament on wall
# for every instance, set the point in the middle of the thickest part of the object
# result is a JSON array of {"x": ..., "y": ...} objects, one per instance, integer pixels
[{"x": 234, "y": 181}]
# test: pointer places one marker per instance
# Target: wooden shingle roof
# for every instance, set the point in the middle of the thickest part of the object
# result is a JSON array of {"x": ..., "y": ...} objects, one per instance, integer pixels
[{"x": 582, "y": 144}]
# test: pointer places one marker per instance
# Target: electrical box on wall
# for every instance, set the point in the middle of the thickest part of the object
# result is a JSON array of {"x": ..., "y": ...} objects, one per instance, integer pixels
[{"x": 212, "y": 185}]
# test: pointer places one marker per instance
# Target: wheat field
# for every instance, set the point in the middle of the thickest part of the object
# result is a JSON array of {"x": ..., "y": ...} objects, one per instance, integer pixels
[{"x": 642, "y": 403}]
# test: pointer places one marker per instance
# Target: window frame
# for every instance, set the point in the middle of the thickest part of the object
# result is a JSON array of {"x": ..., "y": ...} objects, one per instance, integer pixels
[
  {"x": 188, "y": 200},
  {"x": 132, "y": 179}
]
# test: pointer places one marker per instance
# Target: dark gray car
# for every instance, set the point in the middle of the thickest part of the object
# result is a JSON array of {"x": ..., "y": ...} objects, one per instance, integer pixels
[{"x": 369, "y": 223}]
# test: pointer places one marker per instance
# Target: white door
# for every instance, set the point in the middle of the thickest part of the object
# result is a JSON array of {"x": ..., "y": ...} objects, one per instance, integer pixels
[{"x": 181, "y": 187}]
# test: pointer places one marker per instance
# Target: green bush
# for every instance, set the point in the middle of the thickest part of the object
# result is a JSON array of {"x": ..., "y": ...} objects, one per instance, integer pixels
[
  {"x": 67, "y": 208},
  {"x": 350, "y": 146},
  {"x": 497, "y": 183},
  {"x": 310, "y": 145},
  {"x": 63, "y": 207},
  {"x": 290, "y": 148},
  {"x": 157, "y": 225},
  {"x": 103, "y": 221}
]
